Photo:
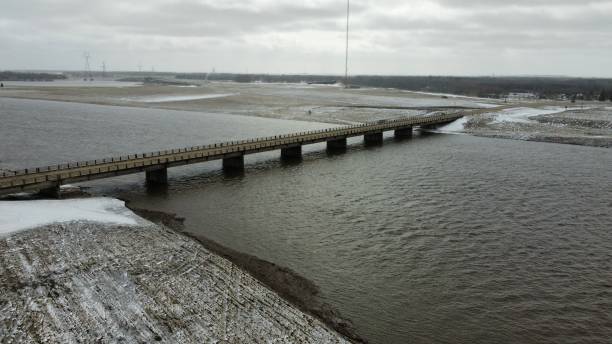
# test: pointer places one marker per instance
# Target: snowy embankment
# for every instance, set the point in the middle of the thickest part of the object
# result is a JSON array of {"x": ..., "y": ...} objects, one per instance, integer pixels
[
  {"x": 20, "y": 215},
  {"x": 90, "y": 270},
  {"x": 522, "y": 114},
  {"x": 511, "y": 115}
]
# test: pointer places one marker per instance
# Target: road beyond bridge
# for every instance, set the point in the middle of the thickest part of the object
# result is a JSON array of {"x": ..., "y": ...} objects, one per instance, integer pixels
[{"x": 156, "y": 164}]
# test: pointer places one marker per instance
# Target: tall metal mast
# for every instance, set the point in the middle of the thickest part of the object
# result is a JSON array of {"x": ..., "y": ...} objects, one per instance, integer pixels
[
  {"x": 88, "y": 75},
  {"x": 346, "y": 79}
]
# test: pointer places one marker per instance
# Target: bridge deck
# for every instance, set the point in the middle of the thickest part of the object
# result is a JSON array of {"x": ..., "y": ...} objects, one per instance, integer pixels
[{"x": 52, "y": 176}]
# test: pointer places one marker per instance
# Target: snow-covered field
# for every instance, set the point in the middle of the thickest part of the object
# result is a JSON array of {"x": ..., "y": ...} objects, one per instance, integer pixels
[
  {"x": 21, "y": 215},
  {"x": 322, "y": 103}
]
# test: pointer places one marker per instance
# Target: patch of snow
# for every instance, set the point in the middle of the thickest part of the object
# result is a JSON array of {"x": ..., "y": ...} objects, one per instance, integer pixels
[
  {"x": 487, "y": 105},
  {"x": 449, "y": 95},
  {"x": 522, "y": 114},
  {"x": 454, "y": 127},
  {"x": 164, "y": 98},
  {"x": 455, "y": 97},
  {"x": 20, "y": 215}
]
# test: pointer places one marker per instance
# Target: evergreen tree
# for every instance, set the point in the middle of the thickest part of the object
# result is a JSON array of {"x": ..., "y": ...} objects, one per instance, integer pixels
[{"x": 602, "y": 96}]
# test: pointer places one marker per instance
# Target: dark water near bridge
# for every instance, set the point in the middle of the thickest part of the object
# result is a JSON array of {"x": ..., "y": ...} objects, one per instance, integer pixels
[{"x": 439, "y": 239}]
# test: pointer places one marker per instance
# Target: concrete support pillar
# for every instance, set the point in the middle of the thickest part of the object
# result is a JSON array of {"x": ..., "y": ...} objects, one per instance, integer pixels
[
  {"x": 291, "y": 153},
  {"x": 373, "y": 138},
  {"x": 432, "y": 126},
  {"x": 159, "y": 176},
  {"x": 51, "y": 192},
  {"x": 234, "y": 163},
  {"x": 403, "y": 132},
  {"x": 336, "y": 145}
]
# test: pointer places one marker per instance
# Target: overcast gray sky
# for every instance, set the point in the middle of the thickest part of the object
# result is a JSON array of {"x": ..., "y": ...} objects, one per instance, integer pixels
[{"x": 437, "y": 37}]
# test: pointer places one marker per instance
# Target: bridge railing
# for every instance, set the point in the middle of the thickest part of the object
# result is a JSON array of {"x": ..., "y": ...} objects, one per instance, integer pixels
[{"x": 341, "y": 131}]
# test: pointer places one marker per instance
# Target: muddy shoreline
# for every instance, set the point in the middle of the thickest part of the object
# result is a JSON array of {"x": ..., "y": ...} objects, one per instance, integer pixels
[
  {"x": 294, "y": 288},
  {"x": 600, "y": 142}
]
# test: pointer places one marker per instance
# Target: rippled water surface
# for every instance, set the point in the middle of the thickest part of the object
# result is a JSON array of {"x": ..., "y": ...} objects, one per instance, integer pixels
[
  {"x": 39, "y": 132},
  {"x": 438, "y": 239}
]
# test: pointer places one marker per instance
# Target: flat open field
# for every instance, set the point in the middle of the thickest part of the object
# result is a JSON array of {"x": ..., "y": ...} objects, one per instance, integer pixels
[
  {"x": 322, "y": 103},
  {"x": 586, "y": 123}
]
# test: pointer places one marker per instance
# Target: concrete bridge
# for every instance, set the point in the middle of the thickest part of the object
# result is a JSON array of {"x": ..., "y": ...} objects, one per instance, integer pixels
[{"x": 155, "y": 165}]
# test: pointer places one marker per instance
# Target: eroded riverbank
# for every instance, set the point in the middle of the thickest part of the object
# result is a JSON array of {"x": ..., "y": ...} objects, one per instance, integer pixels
[{"x": 296, "y": 289}]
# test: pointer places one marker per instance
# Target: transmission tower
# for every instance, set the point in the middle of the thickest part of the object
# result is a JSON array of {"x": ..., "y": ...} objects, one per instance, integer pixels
[
  {"x": 87, "y": 57},
  {"x": 104, "y": 69}
]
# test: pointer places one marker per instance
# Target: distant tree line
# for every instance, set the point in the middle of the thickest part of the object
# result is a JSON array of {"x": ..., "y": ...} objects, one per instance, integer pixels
[
  {"x": 605, "y": 95},
  {"x": 293, "y": 78},
  {"x": 486, "y": 87},
  {"x": 22, "y": 76}
]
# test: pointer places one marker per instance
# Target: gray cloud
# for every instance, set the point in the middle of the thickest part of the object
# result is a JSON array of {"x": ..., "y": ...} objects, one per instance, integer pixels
[{"x": 282, "y": 36}]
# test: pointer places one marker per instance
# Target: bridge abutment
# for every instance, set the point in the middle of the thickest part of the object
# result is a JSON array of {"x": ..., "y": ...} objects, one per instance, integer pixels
[
  {"x": 291, "y": 153},
  {"x": 403, "y": 133},
  {"x": 234, "y": 163},
  {"x": 336, "y": 145},
  {"x": 373, "y": 138},
  {"x": 159, "y": 176}
]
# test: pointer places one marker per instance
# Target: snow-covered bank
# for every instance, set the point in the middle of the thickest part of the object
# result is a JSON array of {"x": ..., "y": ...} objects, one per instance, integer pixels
[
  {"x": 20, "y": 215},
  {"x": 522, "y": 114},
  {"x": 589, "y": 125},
  {"x": 83, "y": 281},
  {"x": 456, "y": 126}
]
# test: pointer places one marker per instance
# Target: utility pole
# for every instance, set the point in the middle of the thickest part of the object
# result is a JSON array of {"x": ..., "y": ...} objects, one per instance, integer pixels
[{"x": 346, "y": 79}]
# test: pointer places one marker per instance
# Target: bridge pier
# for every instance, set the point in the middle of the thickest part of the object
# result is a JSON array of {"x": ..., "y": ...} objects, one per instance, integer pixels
[
  {"x": 52, "y": 192},
  {"x": 373, "y": 138},
  {"x": 336, "y": 145},
  {"x": 291, "y": 153},
  {"x": 233, "y": 164},
  {"x": 158, "y": 176},
  {"x": 403, "y": 132}
]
